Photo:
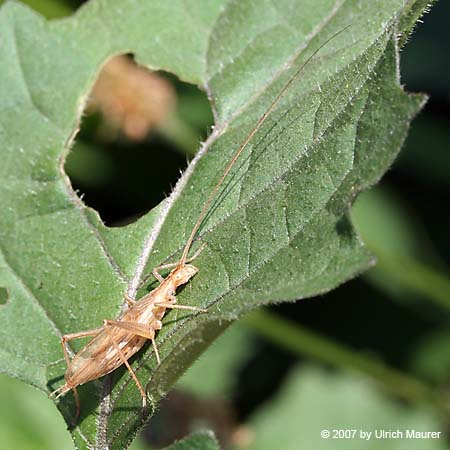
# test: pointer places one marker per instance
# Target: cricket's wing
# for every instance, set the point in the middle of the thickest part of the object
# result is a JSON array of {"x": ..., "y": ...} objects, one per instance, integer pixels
[{"x": 102, "y": 355}]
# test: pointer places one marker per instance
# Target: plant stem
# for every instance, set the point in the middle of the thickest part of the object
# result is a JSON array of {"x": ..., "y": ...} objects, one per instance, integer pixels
[
  {"x": 51, "y": 9},
  {"x": 185, "y": 138},
  {"x": 416, "y": 276},
  {"x": 302, "y": 341}
]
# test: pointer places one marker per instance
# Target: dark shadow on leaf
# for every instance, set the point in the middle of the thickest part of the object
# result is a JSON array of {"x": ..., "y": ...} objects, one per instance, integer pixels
[{"x": 4, "y": 295}]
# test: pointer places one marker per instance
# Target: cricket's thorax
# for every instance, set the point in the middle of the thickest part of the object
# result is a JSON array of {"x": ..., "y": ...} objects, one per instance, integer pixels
[
  {"x": 102, "y": 349},
  {"x": 164, "y": 293}
]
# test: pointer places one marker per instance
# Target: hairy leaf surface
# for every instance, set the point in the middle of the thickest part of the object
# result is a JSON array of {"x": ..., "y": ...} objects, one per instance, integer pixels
[{"x": 279, "y": 230}]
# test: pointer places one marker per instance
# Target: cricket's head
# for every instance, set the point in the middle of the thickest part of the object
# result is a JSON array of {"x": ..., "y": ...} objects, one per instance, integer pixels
[{"x": 182, "y": 274}]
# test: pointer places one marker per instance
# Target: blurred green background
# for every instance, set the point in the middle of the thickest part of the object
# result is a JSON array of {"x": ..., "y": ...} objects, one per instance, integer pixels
[{"x": 373, "y": 354}]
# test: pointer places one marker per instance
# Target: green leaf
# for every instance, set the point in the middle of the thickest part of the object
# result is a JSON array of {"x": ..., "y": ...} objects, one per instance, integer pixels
[
  {"x": 431, "y": 359},
  {"x": 28, "y": 421},
  {"x": 412, "y": 13},
  {"x": 429, "y": 130},
  {"x": 280, "y": 230},
  {"x": 199, "y": 441},
  {"x": 302, "y": 341},
  {"x": 313, "y": 400},
  {"x": 221, "y": 362},
  {"x": 49, "y": 8},
  {"x": 405, "y": 266}
]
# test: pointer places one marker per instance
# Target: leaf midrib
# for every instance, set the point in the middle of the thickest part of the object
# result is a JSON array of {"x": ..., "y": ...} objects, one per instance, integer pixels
[
  {"x": 284, "y": 68},
  {"x": 179, "y": 325},
  {"x": 264, "y": 188}
]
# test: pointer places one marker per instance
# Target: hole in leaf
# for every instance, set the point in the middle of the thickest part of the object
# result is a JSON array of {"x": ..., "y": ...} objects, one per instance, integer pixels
[
  {"x": 139, "y": 130},
  {"x": 4, "y": 295}
]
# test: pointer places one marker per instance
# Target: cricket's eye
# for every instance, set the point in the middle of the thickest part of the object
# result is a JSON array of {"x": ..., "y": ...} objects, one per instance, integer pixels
[{"x": 120, "y": 143}]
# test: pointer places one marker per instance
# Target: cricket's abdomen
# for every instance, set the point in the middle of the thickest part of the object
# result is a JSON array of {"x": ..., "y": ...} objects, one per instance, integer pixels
[{"x": 100, "y": 356}]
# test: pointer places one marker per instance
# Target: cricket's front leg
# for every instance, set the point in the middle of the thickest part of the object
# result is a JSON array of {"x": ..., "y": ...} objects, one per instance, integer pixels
[
  {"x": 156, "y": 270},
  {"x": 172, "y": 304},
  {"x": 130, "y": 301},
  {"x": 156, "y": 274}
]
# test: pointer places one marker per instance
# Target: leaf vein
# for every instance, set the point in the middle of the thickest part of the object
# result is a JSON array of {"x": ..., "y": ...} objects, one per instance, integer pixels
[
  {"x": 285, "y": 67},
  {"x": 81, "y": 207},
  {"x": 25, "y": 83},
  {"x": 31, "y": 295}
]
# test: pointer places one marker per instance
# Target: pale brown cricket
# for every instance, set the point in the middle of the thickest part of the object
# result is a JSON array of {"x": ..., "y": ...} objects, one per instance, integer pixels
[{"x": 117, "y": 340}]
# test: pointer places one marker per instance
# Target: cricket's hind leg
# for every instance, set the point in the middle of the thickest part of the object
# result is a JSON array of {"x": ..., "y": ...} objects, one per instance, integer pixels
[
  {"x": 65, "y": 388},
  {"x": 139, "y": 330},
  {"x": 59, "y": 392},
  {"x": 71, "y": 336}
]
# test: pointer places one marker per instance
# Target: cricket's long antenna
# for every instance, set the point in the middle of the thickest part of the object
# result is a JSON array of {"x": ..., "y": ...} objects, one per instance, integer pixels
[{"x": 241, "y": 148}]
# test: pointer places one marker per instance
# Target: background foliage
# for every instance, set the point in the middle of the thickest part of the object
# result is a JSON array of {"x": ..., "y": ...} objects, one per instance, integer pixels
[{"x": 397, "y": 311}]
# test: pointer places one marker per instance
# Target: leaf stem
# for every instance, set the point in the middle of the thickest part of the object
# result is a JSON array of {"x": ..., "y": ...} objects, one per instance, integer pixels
[
  {"x": 416, "y": 276},
  {"x": 301, "y": 341},
  {"x": 180, "y": 133}
]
